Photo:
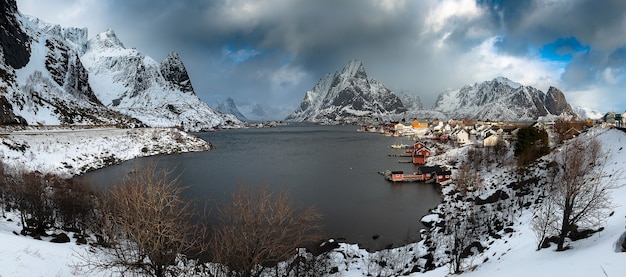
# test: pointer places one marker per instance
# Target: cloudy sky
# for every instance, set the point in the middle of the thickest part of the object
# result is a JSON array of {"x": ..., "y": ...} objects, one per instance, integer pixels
[{"x": 273, "y": 51}]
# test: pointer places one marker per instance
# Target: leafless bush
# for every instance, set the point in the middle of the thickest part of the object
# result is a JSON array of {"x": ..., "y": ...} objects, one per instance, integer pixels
[
  {"x": 579, "y": 194},
  {"x": 74, "y": 203},
  {"x": 147, "y": 224},
  {"x": 259, "y": 229},
  {"x": 32, "y": 197}
]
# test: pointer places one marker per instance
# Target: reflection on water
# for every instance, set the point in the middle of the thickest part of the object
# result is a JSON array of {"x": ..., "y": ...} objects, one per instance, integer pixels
[{"x": 333, "y": 168}]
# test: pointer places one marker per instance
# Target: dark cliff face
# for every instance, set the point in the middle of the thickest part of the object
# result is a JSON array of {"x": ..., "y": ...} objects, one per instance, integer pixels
[
  {"x": 67, "y": 70},
  {"x": 174, "y": 71},
  {"x": 556, "y": 103},
  {"x": 14, "y": 41},
  {"x": 15, "y": 49}
]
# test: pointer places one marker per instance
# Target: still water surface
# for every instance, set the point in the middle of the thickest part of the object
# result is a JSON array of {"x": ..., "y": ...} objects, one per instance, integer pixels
[{"x": 334, "y": 168}]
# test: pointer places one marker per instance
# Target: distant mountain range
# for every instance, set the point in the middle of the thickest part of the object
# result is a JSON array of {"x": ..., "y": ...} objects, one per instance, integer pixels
[
  {"x": 52, "y": 75},
  {"x": 503, "y": 100},
  {"x": 350, "y": 95}
]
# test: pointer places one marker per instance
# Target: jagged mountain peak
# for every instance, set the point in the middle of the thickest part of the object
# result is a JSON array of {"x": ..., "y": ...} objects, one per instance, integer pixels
[
  {"x": 106, "y": 39},
  {"x": 507, "y": 81},
  {"x": 174, "y": 71},
  {"x": 52, "y": 75},
  {"x": 503, "y": 99},
  {"x": 347, "y": 96},
  {"x": 355, "y": 69},
  {"x": 77, "y": 37}
]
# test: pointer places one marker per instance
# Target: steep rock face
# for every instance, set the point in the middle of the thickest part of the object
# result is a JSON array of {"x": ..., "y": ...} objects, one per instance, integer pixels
[
  {"x": 53, "y": 75},
  {"x": 47, "y": 84},
  {"x": 502, "y": 99},
  {"x": 14, "y": 40},
  {"x": 67, "y": 71},
  {"x": 347, "y": 96},
  {"x": 174, "y": 71},
  {"x": 158, "y": 94},
  {"x": 556, "y": 103}
]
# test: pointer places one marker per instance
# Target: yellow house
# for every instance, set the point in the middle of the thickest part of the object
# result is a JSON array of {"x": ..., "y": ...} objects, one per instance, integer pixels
[{"x": 417, "y": 125}]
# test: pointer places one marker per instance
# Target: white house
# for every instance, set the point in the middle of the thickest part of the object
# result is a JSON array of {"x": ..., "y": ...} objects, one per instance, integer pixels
[{"x": 461, "y": 136}]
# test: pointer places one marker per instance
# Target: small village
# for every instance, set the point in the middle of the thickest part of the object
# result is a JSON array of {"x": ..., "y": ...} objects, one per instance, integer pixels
[{"x": 462, "y": 133}]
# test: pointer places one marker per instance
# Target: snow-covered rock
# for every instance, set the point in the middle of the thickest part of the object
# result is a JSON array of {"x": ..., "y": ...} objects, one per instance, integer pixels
[
  {"x": 158, "y": 94},
  {"x": 53, "y": 75},
  {"x": 588, "y": 113},
  {"x": 71, "y": 151},
  {"x": 347, "y": 96},
  {"x": 503, "y": 100}
]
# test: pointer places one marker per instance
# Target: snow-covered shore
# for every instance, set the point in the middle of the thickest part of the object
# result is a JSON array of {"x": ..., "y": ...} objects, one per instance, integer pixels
[
  {"x": 512, "y": 255},
  {"x": 72, "y": 151}
]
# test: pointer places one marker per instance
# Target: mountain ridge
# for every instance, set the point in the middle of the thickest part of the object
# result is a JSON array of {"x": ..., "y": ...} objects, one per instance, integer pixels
[
  {"x": 55, "y": 75},
  {"x": 345, "y": 96},
  {"x": 503, "y": 100}
]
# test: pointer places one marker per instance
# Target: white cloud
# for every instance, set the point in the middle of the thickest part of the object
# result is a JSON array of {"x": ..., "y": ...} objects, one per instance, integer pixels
[
  {"x": 484, "y": 62},
  {"x": 68, "y": 14},
  {"x": 450, "y": 12},
  {"x": 285, "y": 78}
]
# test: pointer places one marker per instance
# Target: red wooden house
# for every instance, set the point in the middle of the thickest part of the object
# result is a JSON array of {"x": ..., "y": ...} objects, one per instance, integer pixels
[
  {"x": 397, "y": 176},
  {"x": 435, "y": 173},
  {"x": 418, "y": 145},
  {"x": 420, "y": 155}
]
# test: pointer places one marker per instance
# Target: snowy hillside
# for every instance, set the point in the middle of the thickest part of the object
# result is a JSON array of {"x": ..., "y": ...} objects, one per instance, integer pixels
[
  {"x": 136, "y": 85},
  {"x": 598, "y": 255},
  {"x": 509, "y": 251},
  {"x": 69, "y": 152},
  {"x": 347, "y": 96},
  {"x": 588, "y": 113},
  {"x": 503, "y": 100},
  {"x": 50, "y": 85},
  {"x": 53, "y": 75}
]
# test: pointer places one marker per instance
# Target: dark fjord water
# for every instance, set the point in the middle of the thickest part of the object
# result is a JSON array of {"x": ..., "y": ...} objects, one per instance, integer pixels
[{"x": 333, "y": 168}]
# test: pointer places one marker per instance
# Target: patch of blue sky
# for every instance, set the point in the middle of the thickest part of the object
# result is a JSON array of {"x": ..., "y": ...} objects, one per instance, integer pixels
[
  {"x": 562, "y": 49},
  {"x": 239, "y": 56}
]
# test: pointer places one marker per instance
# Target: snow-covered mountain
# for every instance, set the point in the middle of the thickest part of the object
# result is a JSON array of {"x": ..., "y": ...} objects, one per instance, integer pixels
[
  {"x": 45, "y": 82},
  {"x": 410, "y": 101},
  {"x": 158, "y": 94},
  {"x": 228, "y": 106},
  {"x": 53, "y": 75},
  {"x": 587, "y": 113},
  {"x": 347, "y": 96},
  {"x": 504, "y": 100}
]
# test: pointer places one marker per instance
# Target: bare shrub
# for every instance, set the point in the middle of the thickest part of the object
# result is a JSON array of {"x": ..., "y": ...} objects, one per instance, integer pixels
[
  {"x": 74, "y": 203},
  {"x": 258, "y": 229},
  {"x": 579, "y": 194},
  {"x": 147, "y": 224},
  {"x": 31, "y": 196}
]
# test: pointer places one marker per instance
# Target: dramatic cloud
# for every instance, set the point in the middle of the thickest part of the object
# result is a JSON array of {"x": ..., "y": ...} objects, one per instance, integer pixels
[{"x": 272, "y": 51}]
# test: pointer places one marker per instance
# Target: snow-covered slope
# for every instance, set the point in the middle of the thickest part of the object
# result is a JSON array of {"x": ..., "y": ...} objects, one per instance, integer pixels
[
  {"x": 503, "y": 100},
  {"x": 68, "y": 152},
  {"x": 43, "y": 79},
  {"x": 347, "y": 96},
  {"x": 158, "y": 94},
  {"x": 53, "y": 75},
  {"x": 587, "y": 113}
]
